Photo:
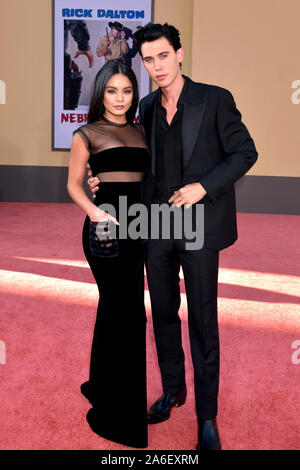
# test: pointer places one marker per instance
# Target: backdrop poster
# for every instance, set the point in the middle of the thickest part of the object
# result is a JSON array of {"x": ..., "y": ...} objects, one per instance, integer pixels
[{"x": 80, "y": 31}]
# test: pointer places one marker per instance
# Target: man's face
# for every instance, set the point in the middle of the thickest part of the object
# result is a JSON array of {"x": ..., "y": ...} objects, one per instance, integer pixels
[
  {"x": 114, "y": 32},
  {"x": 161, "y": 61}
]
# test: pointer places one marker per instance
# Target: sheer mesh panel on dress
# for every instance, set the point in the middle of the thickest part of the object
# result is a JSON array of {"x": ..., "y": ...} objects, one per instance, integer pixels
[{"x": 103, "y": 136}]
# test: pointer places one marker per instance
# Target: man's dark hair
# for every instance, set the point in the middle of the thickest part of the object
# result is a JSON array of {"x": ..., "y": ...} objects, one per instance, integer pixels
[
  {"x": 152, "y": 31},
  {"x": 111, "y": 68}
]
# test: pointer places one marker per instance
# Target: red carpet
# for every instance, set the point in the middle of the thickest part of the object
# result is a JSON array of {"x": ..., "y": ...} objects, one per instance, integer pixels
[{"x": 48, "y": 306}]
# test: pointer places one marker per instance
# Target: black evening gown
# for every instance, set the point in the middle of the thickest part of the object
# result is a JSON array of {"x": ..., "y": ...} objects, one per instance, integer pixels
[{"x": 117, "y": 382}]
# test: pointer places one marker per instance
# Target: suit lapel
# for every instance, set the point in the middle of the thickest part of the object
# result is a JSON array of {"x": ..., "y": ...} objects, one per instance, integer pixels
[
  {"x": 193, "y": 113},
  {"x": 153, "y": 140},
  {"x": 150, "y": 108}
]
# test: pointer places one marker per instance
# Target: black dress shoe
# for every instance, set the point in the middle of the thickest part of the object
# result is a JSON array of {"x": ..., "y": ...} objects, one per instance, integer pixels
[
  {"x": 208, "y": 435},
  {"x": 160, "y": 410}
]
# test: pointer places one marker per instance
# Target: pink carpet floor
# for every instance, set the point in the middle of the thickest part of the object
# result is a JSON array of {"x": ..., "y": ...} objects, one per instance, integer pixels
[{"x": 48, "y": 302}]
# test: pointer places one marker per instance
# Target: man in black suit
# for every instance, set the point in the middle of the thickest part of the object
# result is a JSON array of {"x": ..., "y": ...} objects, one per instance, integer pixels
[{"x": 199, "y": 148}]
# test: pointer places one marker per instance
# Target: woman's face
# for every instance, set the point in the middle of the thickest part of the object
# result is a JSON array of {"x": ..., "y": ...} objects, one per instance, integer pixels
[{"x": 118, "y": 97}]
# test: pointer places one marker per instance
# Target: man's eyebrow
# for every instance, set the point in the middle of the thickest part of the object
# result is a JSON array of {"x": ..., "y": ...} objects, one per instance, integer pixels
[{"x": 160, "y": 53}]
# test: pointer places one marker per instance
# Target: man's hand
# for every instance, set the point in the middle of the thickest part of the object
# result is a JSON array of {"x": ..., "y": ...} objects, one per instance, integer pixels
[
  {"x": 88, "y": 54},
  {"x": 93, "y": 183},
  {"x": 188, "y": 195}
]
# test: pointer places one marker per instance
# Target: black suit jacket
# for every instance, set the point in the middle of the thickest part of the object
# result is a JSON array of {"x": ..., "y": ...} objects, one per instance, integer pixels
[{"x": 217, "y": 151}]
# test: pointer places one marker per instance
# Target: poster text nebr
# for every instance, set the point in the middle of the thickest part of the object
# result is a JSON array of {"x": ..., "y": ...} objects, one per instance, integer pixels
[{"x": 81, "y": 30}]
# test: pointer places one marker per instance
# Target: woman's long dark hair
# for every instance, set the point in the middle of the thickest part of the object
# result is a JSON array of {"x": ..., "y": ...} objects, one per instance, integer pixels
[{"x": 111, "y": 68}]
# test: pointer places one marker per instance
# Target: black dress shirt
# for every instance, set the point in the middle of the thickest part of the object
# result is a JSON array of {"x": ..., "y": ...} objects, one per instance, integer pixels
[{"x": 168, "y": 171}]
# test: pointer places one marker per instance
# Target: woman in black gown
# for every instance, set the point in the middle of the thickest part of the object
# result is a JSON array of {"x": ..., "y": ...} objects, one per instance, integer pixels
[{"x": 116, "y": 151}]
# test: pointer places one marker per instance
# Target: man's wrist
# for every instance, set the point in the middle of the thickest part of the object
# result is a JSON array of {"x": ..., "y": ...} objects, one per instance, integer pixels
[{"x": 203, "y": 188}]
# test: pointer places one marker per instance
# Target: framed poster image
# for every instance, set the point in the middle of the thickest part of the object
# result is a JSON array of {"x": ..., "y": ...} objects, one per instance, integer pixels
[{"x": 80, "y": 29}]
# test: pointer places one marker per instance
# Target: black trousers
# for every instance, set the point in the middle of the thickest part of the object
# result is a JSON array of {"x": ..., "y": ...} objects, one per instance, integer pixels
[{"x": 200, "y": 269}]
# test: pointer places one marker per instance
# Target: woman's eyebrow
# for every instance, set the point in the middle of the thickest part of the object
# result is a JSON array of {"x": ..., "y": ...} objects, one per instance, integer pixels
[{"x": 115, "y": 88}]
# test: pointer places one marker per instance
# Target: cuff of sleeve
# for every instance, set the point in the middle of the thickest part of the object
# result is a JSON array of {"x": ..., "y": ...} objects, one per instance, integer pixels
[{"x": 212, "y": 194}]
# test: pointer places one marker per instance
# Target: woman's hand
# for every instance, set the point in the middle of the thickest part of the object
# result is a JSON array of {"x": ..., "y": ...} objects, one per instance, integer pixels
[{"x": 98, "y": 215}]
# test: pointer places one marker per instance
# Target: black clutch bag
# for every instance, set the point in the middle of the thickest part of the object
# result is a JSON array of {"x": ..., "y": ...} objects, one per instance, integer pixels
[{"x": 101, "y": 244}]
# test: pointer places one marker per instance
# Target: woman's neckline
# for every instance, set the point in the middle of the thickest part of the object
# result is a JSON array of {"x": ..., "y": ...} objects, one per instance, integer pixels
[{"x": 114, "y": 123}]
